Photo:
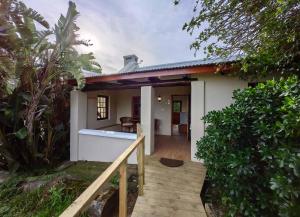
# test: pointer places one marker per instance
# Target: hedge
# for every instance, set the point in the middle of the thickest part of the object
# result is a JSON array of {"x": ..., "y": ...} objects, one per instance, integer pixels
[{"x": 252, "y": 150}]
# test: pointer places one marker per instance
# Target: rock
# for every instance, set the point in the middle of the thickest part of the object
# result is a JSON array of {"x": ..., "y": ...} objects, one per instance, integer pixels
[
  {"x": 132, "y": 170},
  {"x": 132, "y": 178},
  {"x": 96, "y": 207},
  {"x": 61, "y": 179},
  {"x": 111, "y": 207},
  {"x": 3, "y": 176},
  {"x": 33, "y": 185},
  {"x": 28, "y": 186},
  {"x": 64, "y": 165},
  {"x": 132, "y": 184}
]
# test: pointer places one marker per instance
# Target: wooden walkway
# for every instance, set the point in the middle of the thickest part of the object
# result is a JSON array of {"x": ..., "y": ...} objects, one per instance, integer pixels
[{"x": 171, "y": 192}]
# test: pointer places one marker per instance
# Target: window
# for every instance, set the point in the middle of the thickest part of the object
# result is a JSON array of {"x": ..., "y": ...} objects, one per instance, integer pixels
[
  {"x": 102, "y": 107},
  {"x": 252, "y": 84},
  {"x": 177, "y": 105}
]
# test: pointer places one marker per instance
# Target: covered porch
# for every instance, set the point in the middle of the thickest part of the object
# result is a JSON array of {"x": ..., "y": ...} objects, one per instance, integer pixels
[
  {"x": 118, "y": 111},
  {"x": 163, "y": 107}
]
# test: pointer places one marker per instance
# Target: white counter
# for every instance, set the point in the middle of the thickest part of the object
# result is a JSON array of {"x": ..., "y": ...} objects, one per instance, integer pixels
[{"x": 111, "y": 134}]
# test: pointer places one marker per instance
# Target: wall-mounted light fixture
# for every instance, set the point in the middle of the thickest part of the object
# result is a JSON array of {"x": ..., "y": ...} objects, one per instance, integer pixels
[{"x": 159, "y": 98}]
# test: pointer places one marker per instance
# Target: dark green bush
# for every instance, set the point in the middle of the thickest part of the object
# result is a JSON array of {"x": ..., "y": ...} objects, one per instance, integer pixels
[{"x": 252, "y": 150}]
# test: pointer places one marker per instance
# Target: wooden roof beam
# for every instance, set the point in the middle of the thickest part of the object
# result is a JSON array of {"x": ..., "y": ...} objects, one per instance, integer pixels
[
  {"x": 112, "y": 86},
  {"x": 127, "y": 81},
  {"x": 154, "y": 79}
]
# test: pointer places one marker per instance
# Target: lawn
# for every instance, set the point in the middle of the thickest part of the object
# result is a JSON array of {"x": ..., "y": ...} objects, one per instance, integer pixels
[{"x": 49, "y": 193}]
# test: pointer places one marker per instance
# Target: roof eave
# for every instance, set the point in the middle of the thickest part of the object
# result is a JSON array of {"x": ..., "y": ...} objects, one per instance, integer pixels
[{"x": 203, "y": 69}]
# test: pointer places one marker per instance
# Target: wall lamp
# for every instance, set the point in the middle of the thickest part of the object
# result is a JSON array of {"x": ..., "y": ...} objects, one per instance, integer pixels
[{"x": 159, "y": 98}]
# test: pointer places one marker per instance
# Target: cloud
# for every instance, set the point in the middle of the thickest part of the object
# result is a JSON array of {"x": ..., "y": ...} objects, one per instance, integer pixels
[{"x": 150, "y": 29}]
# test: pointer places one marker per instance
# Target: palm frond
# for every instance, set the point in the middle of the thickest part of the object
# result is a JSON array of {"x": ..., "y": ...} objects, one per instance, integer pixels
[{"x": 33, "y": 14}]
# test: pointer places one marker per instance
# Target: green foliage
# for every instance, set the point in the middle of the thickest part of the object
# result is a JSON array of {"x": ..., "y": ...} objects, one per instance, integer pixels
[
  {"x": 266, "y": 33},
  {"x": 39, "y": 202},
  {"x": 115, "y": 180},
  {"x": 252, "y": 150},
  {"x": 50, "y": 199},
  {"x": 34, "y": 94},
  {"x": 87, "y": 62}
]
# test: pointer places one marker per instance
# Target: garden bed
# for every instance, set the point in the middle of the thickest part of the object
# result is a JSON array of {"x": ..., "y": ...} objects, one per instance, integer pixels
[{"x": 50, "y": 193}]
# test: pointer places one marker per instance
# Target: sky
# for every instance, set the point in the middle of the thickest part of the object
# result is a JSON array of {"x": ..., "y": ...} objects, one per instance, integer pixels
[{"x": 150, "y": 29}]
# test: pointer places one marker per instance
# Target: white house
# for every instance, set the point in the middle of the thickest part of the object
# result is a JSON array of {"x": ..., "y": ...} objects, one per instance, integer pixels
[{"x": 168, "y": 100}]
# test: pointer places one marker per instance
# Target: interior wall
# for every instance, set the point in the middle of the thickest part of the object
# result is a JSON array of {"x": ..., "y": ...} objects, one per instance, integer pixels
[
  {"x": 120, "y": 103},
  {"x": 124, "y": 102},
  {"x": 92, "y": 122},
  {"x": 163, "y": 109}
]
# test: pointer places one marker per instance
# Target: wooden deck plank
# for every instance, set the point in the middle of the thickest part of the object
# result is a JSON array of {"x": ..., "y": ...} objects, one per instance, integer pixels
[{"x": 171, "y": 191}]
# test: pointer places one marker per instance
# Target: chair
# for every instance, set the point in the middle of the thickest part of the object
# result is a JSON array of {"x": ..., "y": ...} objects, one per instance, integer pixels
[{"x": 126, "y": 124}]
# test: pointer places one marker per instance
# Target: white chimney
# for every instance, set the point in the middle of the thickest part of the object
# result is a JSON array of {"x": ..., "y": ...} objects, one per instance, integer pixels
[{"x": 130, "y": 59}]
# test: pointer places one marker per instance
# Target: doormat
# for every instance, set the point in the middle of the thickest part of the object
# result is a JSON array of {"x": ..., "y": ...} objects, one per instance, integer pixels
[{"x": 171, "y": 162}]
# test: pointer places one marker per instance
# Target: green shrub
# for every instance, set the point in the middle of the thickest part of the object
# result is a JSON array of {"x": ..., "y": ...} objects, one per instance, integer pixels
[
  {"x": 36, "y": 61},
  {"x": 252, "y": 150}
]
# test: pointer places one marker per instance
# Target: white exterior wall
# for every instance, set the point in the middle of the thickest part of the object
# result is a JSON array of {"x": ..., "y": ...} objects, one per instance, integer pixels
[
  {"x": 163, "y": 109},
  {"x": 147, "y": 118},
  {"x": 78, "y": 119},
  {"x": 92, "y": 122},
  {"x": 218, "y": 92},
  {"x": 104, "y": 149},
  {"x": 197, "y": 112}
]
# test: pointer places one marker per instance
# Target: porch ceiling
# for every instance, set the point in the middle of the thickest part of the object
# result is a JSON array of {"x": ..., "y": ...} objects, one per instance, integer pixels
[{"x": 136, "y": 83}]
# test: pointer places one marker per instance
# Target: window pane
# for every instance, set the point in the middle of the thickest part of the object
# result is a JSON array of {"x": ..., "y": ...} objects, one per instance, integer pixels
[
  {"x": 177, "y": 106},
  {"x": 102, "y": 106}
]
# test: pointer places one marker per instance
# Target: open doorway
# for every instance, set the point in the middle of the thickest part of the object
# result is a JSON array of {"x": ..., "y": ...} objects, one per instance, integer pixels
[
  {"x": 172, "y": 109},
  {"x": 180, "y": 119},
  {"x": 177, "y": 145}
]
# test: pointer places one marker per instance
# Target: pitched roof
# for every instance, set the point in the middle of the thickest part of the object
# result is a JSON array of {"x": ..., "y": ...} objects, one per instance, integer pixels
[
  {"x": 185, "y": 64},
  {"x": 134, "y": 68}
]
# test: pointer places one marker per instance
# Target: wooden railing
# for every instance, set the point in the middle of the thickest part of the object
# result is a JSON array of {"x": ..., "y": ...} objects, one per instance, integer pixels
[{"x": 81, "y": 203}]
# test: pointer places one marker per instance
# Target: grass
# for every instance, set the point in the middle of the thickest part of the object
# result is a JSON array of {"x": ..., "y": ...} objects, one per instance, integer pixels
[{"x": 50, "y": 199}]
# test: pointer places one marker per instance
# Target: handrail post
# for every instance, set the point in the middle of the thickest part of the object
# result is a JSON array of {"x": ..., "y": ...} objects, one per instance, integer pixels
[
  {"x": 143, "y": 159},
  {"x": 140, "y": 170},
  {"x": 140, "y": 161},
  {"x": 123, "y": 190}
]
